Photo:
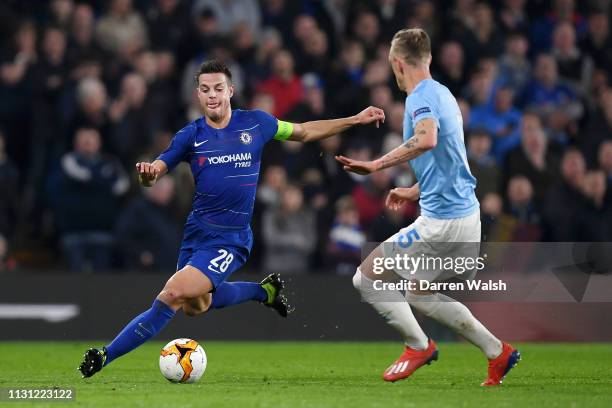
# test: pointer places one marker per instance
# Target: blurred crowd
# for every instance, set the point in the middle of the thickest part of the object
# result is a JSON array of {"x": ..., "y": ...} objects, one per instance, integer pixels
[{"x": 87, "y": 88}]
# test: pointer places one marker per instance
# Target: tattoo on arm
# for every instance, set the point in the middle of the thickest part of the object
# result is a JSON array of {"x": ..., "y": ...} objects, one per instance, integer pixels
[
  {"x": 408, "y": 150},
  {"x": 410, "y": 143}
]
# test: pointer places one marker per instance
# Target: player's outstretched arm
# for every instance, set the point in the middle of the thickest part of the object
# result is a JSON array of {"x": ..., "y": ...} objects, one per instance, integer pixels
[
  {"x": 425, "y": 138},
  {"x": 149, "y": 173},
  {"x": 321, "y": 129}
]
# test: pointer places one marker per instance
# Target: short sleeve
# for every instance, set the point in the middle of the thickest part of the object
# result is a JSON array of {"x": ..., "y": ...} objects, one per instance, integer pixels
[
  {"x": 179, "y": 148},
  {"x": 272, "y": 128},
  {"x": 420, "y": 108}
]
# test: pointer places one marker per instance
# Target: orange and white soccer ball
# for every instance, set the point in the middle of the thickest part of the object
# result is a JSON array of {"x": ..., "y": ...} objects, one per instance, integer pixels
[{"x": 182, "y": 360}]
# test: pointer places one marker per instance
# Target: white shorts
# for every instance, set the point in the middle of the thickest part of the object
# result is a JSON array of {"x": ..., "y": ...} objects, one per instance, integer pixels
[{"x": 444, "y": 246}]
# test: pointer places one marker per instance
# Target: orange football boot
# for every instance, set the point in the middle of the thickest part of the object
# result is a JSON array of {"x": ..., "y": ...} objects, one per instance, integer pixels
[
  {"x": 501, "y": 365},
  {"x": 410, "y": 361}
]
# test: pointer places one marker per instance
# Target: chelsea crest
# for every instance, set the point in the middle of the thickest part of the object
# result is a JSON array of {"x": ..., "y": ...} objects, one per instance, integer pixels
[{"x": 246, "y": 137}]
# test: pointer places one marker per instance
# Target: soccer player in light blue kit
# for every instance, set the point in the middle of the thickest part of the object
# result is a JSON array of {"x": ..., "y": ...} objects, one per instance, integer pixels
[
  {"x": 223, "y": 149},
  {"x": 449, "y": 225}
]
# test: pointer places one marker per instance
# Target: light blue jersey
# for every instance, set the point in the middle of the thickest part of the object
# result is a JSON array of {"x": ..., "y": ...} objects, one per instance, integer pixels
[{"x": 446, "y": 183}]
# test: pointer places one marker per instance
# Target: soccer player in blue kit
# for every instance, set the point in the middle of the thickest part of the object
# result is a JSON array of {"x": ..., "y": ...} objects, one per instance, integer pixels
[
  {"x": 224, "y": 149},
  {"x": 449, "y": 224}
]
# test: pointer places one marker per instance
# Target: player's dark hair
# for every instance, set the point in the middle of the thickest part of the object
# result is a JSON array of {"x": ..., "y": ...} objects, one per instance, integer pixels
[
  {"x": 213, "y": 67},
  {"x": 413, "y": 45}
]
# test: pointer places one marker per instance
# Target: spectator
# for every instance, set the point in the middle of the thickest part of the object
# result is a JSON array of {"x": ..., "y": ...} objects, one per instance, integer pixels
[
  {"x": 274, "y": 182},
  {"x": 205, "y": 32},
  {"x": 482, "y": 163},
  {"x": 598, "y": 42},
  {"x": 553, "y": 100},
  {"x": 270, "y": 43},
  {"x": 479, "y": 89},
  {"x": 61, "y": 11},
  {"x": 87, "y": 183},
  {"x": 132, "y": 127},
  {"x": 574, "y": 67},
  {"x": 289, "y": 234},
  {"x": 91, "y": 111},
  {"x": 147, "y": 234},
  {"x": 513, "y": 16},
  {"x": 244, "y": 44},
  {"x": 593, "y": 220},
  {"x": 84, "y": 55},
  {"x": 532, "y": 159},
  {"x": 598, "y": 127},
  {"x": 313, "y": 106},
  {"x": 315, "y": 57},
  {"x": 483, "y": 39},
  {"x": 276, "y": 13},
  {"x": 366, "y": 29},
  {"x": 231, "y": 13},
  {"x": 520, "y": 203},
  {"x": 347, "y": 75},
  {"x": 501, "y": 120},
  {"x": 514, "y": 67},
  {"x": 449, "y": 69},
  {"x": 568, "y": 191},
  {"x": 346, "y": 238},
  {"x": 522, "y": 218},
  {"x": 168, "y": 27},
  {"x": 424, "y": 16},
  {"x": 284, "y": 86},
  {"x": 122, "y": 31},
  {"x": 304, "y": 27},
  {"x": 541, "y": 31}
]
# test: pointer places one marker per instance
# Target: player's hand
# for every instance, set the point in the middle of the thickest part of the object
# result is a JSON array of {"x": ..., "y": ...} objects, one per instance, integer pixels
[
  {"x": 147, "y": 173},
  {"x": 397, "y": 197},
  {"x": 371, "y": 114},
  {"x": 357, "y": 166}
]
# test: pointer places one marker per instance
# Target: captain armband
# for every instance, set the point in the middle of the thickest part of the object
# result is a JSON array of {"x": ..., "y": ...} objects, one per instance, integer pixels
[{"x": 285, "y": 129}]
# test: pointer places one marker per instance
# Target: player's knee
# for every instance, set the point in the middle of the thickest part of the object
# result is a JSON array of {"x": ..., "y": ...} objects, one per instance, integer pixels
[{"x": 172, "y": 296}]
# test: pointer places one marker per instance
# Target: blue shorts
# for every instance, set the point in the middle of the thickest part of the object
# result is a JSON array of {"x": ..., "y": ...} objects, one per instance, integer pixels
[{"x": 217, "y": 253}]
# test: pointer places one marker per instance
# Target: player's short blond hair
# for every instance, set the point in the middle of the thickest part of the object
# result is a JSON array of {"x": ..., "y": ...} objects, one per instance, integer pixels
[{"x": 413, "y": 45}]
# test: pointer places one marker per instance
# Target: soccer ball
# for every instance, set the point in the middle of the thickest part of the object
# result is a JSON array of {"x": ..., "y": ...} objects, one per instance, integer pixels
[{"x": 182, "y": 360}]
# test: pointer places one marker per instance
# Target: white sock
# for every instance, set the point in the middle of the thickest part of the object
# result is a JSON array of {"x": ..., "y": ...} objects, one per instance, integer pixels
[
  {"x": 458, "y": 317},
  {"x": 395, "y": 310}
]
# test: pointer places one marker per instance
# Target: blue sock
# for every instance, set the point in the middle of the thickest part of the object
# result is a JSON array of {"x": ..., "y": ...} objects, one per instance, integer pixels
[
  {"x": 233, "y": 293},
  {"x": 139, "y": 330}
]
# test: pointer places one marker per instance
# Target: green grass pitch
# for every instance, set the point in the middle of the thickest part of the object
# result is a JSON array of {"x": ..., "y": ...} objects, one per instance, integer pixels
[{"x": 315, "y": 374}]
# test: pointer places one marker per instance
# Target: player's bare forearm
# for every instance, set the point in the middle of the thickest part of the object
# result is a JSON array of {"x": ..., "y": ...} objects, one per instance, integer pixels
[
  {"x": 407, "y": 151},
  {"x": 321, "y": 129},
  {"x": 149, "y": 173},
  {"x": 409, "y": 193},
  {"x": 425, "y": 138}
]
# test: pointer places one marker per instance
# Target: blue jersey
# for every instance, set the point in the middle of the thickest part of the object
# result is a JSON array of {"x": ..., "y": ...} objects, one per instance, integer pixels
[
  {"x": 225, "y": 164},
  {"x": 445, "y": 181}
]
